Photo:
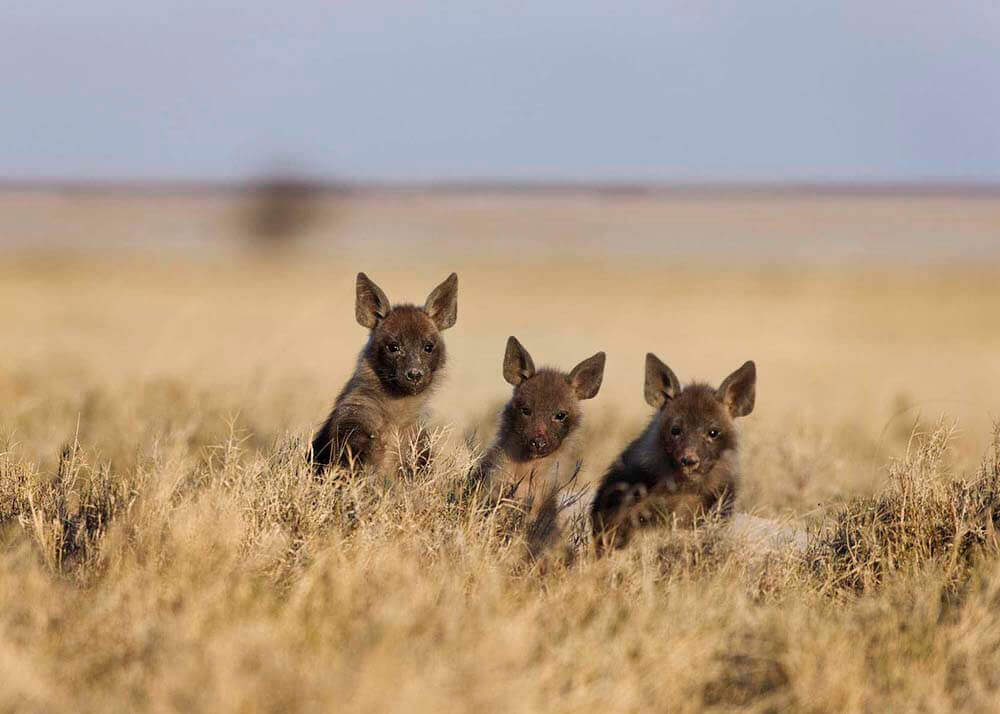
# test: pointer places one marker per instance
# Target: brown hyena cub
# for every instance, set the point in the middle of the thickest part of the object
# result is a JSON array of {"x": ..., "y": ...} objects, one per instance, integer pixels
[
  {"x": 684, "y": 465},
  {"x": 380, "y": 410},
  {"x": 537, "y": 451}
]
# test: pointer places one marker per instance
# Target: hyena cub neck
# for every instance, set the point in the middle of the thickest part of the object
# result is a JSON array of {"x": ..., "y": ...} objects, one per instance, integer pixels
[
  {"x": 537, "y": 443},
  {"x": 380, "y": 409},
  {"x": 685, "y": 464}
]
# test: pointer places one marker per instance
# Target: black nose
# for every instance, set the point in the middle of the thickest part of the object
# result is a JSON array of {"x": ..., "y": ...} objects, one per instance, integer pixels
[
  {"x": 689, "y": 461},
  {"x": 414, "y": 375},
  {"x": 538, "y": 444}
]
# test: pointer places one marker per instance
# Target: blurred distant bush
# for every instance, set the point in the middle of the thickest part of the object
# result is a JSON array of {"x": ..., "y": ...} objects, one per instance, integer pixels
[{"x": 281, "y": 209}]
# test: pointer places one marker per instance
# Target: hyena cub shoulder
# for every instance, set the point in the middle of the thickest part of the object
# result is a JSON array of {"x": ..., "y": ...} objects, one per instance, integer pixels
[
  {"x": 381, "y": 408},
  {"x": 537, "y": 450},
  {"x": 685, "y": 464}
]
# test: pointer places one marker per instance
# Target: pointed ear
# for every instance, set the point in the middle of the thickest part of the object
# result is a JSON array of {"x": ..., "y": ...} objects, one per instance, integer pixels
[
  {"x": 586, "y": 377},
  {"x": 661, "y": 383},
  {"x": 442, "y": 303},
  {"x": 372, "y": 305},
  {"x": 517, "y": 364},
  {"x": 739, "y": 390}
]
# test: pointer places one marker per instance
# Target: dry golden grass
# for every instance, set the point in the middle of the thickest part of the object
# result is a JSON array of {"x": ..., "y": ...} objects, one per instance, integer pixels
[{"x": 163, "y": 546}]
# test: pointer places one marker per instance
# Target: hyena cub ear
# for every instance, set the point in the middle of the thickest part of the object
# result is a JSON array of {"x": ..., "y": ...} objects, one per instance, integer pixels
[
  {"x": 586, "y": 377},
  {"x": 442, "y": 303},
  {"x": 517, "y": 363},
  {"x": 661, "y": 383},
  {"x": 372, "y": 305},
  {"x": 739, "y": 390}
]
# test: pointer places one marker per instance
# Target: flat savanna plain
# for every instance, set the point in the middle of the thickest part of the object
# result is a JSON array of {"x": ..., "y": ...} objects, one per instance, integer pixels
[{"x": 164, "y": 547}]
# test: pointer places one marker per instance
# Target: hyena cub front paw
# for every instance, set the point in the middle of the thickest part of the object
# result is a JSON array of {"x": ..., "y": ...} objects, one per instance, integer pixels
[
  {"x": 354, "y": 443},
  {"x": 636, "y": 506},
  {"x": 612, "y": 518}
]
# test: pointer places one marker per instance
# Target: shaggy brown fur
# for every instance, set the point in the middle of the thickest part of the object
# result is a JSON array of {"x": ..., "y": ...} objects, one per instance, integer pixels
[
  {"x": 684, "y": 465},
  {"x": 378, "y": 414},
  {"x": 536, "y": 454}
]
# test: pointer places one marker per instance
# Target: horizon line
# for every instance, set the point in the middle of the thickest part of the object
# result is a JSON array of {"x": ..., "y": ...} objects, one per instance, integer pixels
[{"x": 304, "y": 183}]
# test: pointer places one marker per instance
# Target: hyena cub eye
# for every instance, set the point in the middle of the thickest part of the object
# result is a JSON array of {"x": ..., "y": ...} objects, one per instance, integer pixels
[
  {"x": 675, "y": 430},
  {"x": 560, "y": 416},
  {"x": 526, "y": 411},
  {"x": 428, "y": 347},
  {"x": 393, "y": 347},
  {"x": 713, "y": 433}
]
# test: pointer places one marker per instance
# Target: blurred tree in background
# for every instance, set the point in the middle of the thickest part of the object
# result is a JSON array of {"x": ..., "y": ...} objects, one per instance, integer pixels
[{"x": 282, "y": 208}]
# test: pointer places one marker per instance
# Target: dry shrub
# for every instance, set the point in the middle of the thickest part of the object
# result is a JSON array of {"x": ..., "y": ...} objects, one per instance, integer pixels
[
  {"x": 67, "y": 514},
  {"x": 924, "y": 515}
]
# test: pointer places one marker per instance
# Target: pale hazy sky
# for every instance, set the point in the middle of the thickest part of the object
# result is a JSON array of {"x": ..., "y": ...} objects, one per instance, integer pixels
[{"x": 694, "y": 90}]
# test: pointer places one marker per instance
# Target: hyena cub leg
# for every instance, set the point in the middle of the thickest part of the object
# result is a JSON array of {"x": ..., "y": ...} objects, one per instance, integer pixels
[
  {"x": 619, "y": 509},
  {"x": 543, "y": 530},
  {"x": 552, "y": 514},
  {"x": 415, "y": 453},
  {"x": 343, "y": 442},
  {"x": 484, "y": 481}
]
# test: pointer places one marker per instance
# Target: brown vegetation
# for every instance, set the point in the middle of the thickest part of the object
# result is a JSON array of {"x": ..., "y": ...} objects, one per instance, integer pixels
[{"x": 164, "y": 546}]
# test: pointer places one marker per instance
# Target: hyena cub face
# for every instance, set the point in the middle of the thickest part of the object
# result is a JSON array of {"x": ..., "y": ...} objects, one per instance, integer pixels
[
  {"x": 696, "y": 424},
  {"x": 545, "y": 407},
  {"x": 405, "y": 349}
]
